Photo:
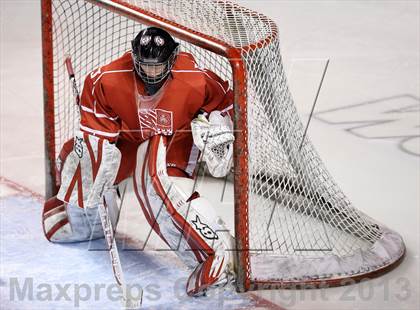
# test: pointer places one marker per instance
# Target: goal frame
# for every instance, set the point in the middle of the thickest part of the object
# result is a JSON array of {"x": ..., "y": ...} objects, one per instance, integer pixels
[{"x": 241, "y": 180}]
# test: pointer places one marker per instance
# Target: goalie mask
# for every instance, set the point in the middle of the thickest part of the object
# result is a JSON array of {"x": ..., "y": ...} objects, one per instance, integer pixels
[{"x": 154, "y": 52}]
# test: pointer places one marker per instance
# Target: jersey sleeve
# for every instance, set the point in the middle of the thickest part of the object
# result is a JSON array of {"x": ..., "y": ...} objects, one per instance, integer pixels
[
  {"x": 96, "y": 116},
  {"x": 218, "y": 95}
]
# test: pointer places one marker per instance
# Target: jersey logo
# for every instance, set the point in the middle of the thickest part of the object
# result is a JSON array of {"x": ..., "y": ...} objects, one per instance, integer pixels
[
  {"x": 155, "y": 122},
  {"x": 204, "y": 229}
]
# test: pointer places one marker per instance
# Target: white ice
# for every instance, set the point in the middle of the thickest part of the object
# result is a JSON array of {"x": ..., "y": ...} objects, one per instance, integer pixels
[{"x": 33, "y": 270}]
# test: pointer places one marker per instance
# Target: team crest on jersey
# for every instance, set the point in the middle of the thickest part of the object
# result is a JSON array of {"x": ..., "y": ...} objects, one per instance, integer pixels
[
  {"x": 204, "y": 229},
  {"x": 155, "y": 122}
]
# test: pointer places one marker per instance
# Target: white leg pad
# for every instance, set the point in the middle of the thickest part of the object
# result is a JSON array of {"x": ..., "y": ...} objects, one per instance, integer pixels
[
  {"x": 65, "y": 223},
  {"x": 187, "y": 224}
]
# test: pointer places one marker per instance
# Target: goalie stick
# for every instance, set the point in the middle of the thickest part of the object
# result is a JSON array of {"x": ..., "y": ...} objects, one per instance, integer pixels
[{"x": 127, "y": 302}]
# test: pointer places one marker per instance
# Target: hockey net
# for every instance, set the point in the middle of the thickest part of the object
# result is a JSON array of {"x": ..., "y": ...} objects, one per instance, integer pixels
[{"x": 293, "y": 224}]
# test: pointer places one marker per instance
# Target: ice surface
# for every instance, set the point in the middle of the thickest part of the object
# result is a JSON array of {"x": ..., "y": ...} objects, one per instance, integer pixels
[{"x": 28, "y": 258}]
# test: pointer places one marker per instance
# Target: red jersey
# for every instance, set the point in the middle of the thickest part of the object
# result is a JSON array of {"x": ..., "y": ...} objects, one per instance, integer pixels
[{"x": 115, "y": 106}]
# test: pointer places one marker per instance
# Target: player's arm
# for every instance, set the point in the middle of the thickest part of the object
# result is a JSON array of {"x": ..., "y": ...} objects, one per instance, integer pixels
[
  {"x": 96, "y": 115},
  {"x": 212, "y": 130},
  {"x": 92, "y": 165}
]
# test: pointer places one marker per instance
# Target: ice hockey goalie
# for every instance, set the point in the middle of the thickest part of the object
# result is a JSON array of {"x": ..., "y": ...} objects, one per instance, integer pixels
[{"x": 150, "y": 115}]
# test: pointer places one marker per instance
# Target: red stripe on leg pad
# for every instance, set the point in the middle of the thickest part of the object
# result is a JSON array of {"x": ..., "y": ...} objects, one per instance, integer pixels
[
  {"x": 55, "y": 228},
  {"x": 193, "y": 196},
  {"x": 52, "y": 203},
  {"x": 188, "y": 231}
]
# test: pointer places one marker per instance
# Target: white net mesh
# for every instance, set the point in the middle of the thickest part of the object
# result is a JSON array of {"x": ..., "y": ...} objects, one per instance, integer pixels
[{"x": 301, "y": 224}]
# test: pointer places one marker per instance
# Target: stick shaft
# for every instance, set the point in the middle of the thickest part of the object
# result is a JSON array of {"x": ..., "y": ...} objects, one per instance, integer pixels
[
  {"x": 106, "y": 221},
  {"x": 72, "y": 78}
]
